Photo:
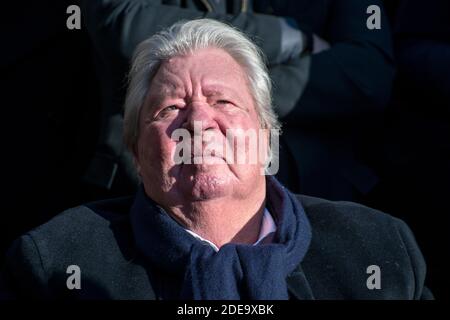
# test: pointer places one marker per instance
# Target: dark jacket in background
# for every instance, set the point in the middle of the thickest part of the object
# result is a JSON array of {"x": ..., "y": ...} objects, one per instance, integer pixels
[
  {"x": 327, "y": 101},
  {"x": 50, "y": 113},
  {"x": 415, "y": 156}
]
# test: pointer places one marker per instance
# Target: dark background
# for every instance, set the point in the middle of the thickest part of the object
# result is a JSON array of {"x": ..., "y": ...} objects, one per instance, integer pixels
[{"x": 50, "y": 129}]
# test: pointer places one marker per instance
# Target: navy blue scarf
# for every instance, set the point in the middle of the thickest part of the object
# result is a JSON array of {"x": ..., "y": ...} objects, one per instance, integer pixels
[{"x": 237, "y": 271}]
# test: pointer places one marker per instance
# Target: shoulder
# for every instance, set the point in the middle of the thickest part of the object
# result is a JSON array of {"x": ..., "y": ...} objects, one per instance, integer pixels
[
  {"x": 84, "y": 223},
  {"x": 344, "y": 225},
  {"x": 95, "y": 237},
  {"x": 345, "y": 220},
  {"x": 351, "y": 214},
  {"x": 348, "y": 238}
]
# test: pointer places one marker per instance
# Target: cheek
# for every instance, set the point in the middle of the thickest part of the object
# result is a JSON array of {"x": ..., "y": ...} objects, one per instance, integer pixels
[
  {"x": 251, "y": 157},
  {"x": 156, "y": 150},
  {"x": 240, "y": 121}
]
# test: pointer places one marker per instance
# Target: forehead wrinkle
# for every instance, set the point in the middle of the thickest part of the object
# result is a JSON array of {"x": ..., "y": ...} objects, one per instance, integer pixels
[
  {"x": 218, "y": 89},
  {"x": 168, "y": 84},
  {"x": 182, "y": 78},
  {"x": 221, "y": 85}
]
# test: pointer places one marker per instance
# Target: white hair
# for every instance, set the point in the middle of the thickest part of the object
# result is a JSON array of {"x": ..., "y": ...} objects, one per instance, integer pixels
[{"x": 185, "y": 37}]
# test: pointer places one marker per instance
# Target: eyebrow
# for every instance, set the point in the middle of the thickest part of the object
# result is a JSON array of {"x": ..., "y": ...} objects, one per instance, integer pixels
[
  {"x": 157, "y": 98},
  {"x": 209, "y": 90},
  {"x": 221, "y": 90}
]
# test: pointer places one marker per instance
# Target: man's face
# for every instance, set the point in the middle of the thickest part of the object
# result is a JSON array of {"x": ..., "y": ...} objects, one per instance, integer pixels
[{"x": 204, "y": 93}]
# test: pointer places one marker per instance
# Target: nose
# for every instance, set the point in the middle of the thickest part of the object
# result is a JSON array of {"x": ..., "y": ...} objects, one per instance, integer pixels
[{"x": 199, "y": 113}]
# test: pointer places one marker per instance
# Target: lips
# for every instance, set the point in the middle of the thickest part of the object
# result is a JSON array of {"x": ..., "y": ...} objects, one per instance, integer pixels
[
  {"x": 208, "y": 152},
  {"x": 210, "y": 159}
]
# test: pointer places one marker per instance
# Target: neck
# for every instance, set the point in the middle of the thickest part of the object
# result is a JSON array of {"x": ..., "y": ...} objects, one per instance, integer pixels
[{"x": 224, "y": 220}]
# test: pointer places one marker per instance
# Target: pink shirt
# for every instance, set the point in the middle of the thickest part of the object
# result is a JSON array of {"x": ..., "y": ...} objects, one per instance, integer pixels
[{"x": 268, "y": 227}]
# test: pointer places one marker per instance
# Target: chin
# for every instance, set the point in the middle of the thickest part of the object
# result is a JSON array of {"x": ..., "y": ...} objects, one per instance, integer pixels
[{"x": 209, "y": 185}]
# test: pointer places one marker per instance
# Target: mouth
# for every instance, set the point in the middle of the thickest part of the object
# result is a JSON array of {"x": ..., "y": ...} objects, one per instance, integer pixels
[
  {"x": 210, "y": 159},
  {"x": 212, "y": 156}
]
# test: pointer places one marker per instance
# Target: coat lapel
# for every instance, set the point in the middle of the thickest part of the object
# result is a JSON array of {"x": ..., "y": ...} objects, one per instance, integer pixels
[{"x": 298, "y": 285}]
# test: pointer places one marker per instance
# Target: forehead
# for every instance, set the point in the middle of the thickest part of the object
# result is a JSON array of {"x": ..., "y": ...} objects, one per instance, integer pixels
[{"x": 212, "y": 68}]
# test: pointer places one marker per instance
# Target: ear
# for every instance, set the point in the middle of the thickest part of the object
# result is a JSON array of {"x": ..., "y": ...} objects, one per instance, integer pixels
[
  {"x": 273, "y": 165},
  {"x": 264, "y": 145},
  {"x": 265, "y": 140}
]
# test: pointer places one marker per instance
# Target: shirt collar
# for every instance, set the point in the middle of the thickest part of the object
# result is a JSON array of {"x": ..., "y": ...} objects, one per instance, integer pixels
[{"x": 268, "y": 226}]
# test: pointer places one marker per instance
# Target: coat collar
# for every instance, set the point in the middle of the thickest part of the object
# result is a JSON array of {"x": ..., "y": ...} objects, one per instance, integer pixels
[{"x": 298, "y": 285}]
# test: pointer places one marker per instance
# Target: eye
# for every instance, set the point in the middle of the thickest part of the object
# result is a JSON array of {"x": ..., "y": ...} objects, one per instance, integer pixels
[
  {"x": 170, "y": 108},
  {"x": 167, "y": 110},
  {"x": 222, "y": 102}
]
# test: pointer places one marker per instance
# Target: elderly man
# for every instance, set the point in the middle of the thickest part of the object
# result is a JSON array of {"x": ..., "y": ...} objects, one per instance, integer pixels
[{"x": 205, "y": 225}]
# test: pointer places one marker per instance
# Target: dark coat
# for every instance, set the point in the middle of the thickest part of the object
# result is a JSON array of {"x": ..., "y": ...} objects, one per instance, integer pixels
[
  {"x": 327, "y": 101},
  {"x": 346, "y": 239}
]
